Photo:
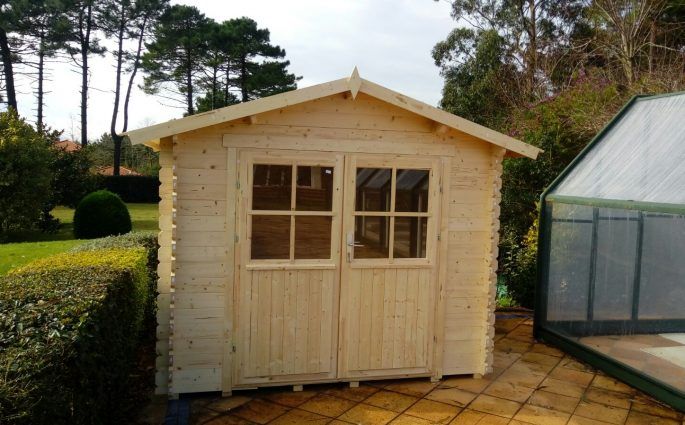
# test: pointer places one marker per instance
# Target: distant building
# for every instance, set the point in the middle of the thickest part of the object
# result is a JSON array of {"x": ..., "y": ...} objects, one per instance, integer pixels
[
  {"x": 68, "y": 145},
  {"x": 108, "y": 170}
]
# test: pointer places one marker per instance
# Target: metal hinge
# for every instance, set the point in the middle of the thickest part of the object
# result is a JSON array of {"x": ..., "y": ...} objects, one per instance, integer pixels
[
  {"x": 235, "y": 238},
  {"x": 237, "y": 184},
  {"x": 233, "y": 347},
  {"x": 438, "y": 236}
]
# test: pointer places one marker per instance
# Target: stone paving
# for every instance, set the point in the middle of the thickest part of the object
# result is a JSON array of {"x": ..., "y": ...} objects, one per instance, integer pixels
[{"x": 532, "y": 384}]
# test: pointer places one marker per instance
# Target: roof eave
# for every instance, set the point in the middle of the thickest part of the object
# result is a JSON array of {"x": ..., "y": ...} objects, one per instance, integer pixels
[{"x": 353, "y": 84}]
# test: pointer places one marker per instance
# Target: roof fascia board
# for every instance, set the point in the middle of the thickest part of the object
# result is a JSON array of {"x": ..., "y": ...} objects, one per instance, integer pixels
[
  {"x": 353, "y": 84},
  {"x": 237, "y": 111},
  {"x": 448, "y": 119}
]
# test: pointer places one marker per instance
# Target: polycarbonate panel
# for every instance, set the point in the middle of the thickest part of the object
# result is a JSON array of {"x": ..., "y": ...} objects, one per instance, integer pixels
[
  {"x": 569, "y": 262},
  {"x": 640, "y": 158},
  {"x": 614, "y": 275},
  {"x": 662, "y": 277}
]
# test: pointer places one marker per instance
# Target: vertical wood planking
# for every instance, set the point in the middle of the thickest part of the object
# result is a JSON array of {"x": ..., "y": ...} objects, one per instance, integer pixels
[
  {"x": 365, "y": 319},
  {"x": 276, "y": 334},
  {"x": 410, "y": 345},
  {"x": 301, "y": 333},
  {"x": 290, "y": 321},
  {"x": 253, "y": 330},
  {"x": 389, "y": 317},
  {"x": 326, "y": 332},
  {"x": 314, "y": 325},
  {"x": 400, "y": 318},
  {"x": 421, "y": 325},
  {"x": 264, "y": 323},
  {"x": 353, "y": 315},
  {"x": 378, "y": 313}
]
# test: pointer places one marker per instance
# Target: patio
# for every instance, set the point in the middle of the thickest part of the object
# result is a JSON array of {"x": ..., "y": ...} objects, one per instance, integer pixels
[{"x": 532, "y": 384}]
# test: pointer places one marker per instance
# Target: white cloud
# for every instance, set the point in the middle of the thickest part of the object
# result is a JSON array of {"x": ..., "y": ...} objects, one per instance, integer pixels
[{"x": 389, "y": 40}]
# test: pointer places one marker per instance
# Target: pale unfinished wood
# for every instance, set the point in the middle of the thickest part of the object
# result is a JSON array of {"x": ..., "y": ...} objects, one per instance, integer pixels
[
  {"x": 164, "y": 268},
  {"x": 353, "y": 84},
  {"x": 230, "y": 322}
]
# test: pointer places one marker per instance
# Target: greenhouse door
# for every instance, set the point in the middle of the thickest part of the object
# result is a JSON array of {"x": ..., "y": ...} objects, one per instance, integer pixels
[
  {"x": 388, "y": 273},
  {"x": 286, "y": 295}
]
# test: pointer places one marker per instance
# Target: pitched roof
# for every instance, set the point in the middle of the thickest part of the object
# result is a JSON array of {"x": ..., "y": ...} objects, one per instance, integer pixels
[
  {"x": 354, "y": 84},
  {"x": 67, "y": 145},
  {"x": 108, "y": 170}
]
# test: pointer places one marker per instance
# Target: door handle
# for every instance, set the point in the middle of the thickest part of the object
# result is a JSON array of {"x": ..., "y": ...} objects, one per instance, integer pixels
[{"x": 351, "y": 244}]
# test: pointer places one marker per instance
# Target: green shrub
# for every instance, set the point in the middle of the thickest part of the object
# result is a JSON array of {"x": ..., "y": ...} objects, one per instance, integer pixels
[
  {"x": 519, "y": 270},
  {"x": 25, "y": 173},
  {"x": 69, "y": 329},
  {"x": 100, "y": 214},
  {"x": 72, "y": 179}
]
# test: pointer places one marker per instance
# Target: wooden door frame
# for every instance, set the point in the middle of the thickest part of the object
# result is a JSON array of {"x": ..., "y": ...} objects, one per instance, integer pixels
[{"x": 235, "y": 211}]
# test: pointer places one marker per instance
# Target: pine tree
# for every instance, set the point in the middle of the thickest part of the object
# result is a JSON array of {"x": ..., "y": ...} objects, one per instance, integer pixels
[{"x": 174, "y": 59}]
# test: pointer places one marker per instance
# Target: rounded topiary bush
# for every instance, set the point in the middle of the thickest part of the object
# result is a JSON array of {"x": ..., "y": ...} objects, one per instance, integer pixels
[{"x": 100, "y": 214}]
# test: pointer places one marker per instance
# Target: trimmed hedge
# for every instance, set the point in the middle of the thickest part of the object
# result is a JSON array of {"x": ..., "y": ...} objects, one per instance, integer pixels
[
  {"x": 139, "y": 239},
  {"x": 144, "y": 189},
  {"x": 69, "y": 329},
  {"x": 101, "y": 214}
]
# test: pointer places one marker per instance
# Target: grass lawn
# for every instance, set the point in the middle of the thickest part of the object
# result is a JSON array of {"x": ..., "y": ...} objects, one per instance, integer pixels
[{"x": 24, "y": 247}]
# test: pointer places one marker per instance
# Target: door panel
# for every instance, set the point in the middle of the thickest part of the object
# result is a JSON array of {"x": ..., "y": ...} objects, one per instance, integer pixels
[
  {"x": 387, "y": 285},
  {"x": 388, "y": 313},
  {"x": 288, "y": 272},
  {"x": 290, "y": 334}
]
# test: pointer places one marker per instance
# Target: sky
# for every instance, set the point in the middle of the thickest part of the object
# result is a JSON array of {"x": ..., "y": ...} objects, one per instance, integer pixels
[{"x": 390, "y": 41}]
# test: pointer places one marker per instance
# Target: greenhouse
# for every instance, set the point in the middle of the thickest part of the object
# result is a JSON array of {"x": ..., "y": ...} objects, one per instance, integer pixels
[{"x": 611, "y": 287}]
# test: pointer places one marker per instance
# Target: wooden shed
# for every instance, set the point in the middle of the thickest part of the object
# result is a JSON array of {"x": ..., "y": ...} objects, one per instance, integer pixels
[{"x": 339, "y": 232}]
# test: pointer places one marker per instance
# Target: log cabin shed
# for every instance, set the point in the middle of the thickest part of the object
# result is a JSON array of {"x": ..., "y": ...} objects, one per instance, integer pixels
[{"x": 339, "y": 232}]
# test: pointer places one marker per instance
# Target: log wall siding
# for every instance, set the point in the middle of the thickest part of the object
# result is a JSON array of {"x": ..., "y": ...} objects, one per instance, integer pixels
[
  {"x": 330, "y": 124},
  {"x": 496, "y": 185},
  {"x": 165, "y": 265},
  {"x": 201, "y": 247}
]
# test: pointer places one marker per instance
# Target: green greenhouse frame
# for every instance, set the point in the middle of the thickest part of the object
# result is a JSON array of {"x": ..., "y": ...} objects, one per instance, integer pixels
[{"x": 583, "y": 311}]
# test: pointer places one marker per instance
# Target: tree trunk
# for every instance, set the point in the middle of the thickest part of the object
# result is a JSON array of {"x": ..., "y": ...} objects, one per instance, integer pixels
[
  {"x": 533, "y": 48},
  {"x": 136, "y": 65},
  {"x": 243, "y": 78},
  {"x": 85, "y": 50},
  {"x": 227, "y": 85},
  {"x": 6, "y": 54},
  {"x": 214, "y": 86},
  {"x": 117, "y": 93},
  {"x": 84, "y": 97},
  {"x": 41, "y": 66},
  {"x": 189, "y": 86}
]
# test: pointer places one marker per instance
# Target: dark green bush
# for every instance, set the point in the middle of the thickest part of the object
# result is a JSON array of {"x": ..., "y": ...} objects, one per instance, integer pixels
[
  {"x": 101, "y": 213},
  {"x": 69, "y": 329}
]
